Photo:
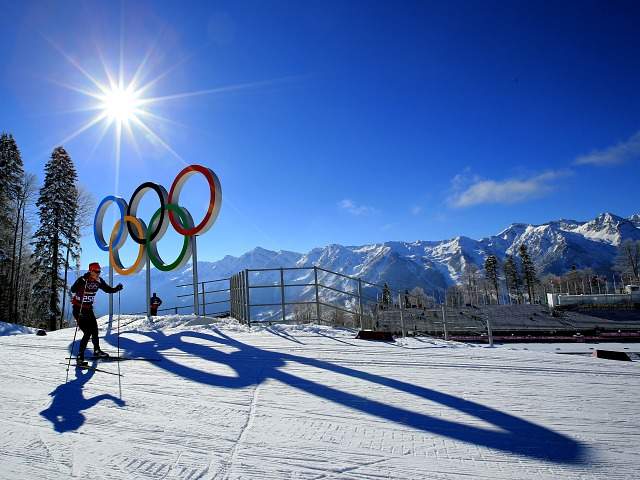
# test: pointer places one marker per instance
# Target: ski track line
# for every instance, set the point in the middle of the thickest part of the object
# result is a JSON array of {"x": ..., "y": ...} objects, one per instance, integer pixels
[
  {"x": 350, "y": 469},
  {"x": 48, "y": 451},
  {"x": 173, "y": 465},
  {"x": 226, "y": 469}
]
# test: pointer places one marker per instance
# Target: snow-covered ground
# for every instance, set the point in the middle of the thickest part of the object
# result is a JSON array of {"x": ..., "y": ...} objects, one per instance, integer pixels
[
  {"x": 305, "y": 402},
  {"x": 574, "y": 348}
]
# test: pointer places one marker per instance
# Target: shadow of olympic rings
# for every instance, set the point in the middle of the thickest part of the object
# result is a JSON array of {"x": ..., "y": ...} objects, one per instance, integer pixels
[{"x": 516, "y": 435}]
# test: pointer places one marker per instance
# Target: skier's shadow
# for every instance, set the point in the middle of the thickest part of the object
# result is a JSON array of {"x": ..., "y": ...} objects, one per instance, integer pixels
[
  {"x": 65, "y": 411},
  {"x": 513, "y": 435}
]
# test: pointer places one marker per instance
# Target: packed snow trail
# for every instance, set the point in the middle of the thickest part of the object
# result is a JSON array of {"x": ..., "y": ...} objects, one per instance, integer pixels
[{"x": 226, "y": 401}]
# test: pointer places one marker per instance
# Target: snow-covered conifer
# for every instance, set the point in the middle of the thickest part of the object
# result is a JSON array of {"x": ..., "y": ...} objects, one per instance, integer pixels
[
  {"x": 491, "y": 266},
  {"x": 57, "y": 209},
  {"x": 528, "y": 271}
]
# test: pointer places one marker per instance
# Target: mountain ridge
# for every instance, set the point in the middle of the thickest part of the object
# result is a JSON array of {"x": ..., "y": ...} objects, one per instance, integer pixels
[{"x": 555, "y": 247}]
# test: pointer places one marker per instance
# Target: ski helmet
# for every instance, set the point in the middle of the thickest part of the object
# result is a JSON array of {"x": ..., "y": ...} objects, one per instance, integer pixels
[{"x": 94, "y": 267}]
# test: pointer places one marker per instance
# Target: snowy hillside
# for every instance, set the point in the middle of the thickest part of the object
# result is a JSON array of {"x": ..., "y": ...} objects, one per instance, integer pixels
[
  {"x": 555, "y": 247},
  {"x": 13, "y": 329},
  {"x": 227, "y": 402}
]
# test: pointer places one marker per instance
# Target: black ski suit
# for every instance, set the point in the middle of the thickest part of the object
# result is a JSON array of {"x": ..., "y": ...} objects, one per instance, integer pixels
[
  {"x": 155, "y": 302},
  {"x": 84, "y": 293}
]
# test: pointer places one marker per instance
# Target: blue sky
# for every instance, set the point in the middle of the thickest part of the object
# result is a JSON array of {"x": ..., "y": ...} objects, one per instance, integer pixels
[{"x": 345, "y": 122}]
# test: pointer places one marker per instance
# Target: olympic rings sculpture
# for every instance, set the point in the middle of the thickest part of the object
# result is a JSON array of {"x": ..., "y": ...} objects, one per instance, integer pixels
[{"x": 170, "y": 212}]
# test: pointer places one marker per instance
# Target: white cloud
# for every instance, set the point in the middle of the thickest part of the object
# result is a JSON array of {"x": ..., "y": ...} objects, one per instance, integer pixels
[
  {"x": 469, "y": 191},
  {"x": 615, "y": 155},
  {"x": 416, "y": 210},
  {"x": 355, "y": 209}
]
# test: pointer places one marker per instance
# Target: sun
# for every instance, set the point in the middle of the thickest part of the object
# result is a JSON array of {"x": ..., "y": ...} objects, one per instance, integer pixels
[
  {"x": 123, "y": 104},
  {"x": 120, "y": 105}
]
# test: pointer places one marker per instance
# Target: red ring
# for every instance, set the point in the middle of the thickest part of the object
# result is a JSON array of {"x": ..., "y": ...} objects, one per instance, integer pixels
[{"x": 176, "y": 188}]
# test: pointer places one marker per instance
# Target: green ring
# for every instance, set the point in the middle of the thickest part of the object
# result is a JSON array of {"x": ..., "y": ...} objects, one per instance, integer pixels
[{"x": 157, "y": 262}]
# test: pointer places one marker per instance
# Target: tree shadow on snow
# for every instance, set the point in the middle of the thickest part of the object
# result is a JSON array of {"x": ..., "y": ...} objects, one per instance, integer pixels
[
  {"x": 65, "y": 411},
  {"x": 513, "y": 435}
]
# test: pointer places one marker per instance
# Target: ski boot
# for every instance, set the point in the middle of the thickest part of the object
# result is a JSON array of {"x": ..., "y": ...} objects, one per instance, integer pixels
[
  {"x": 80, "y": 362},
  {"x": 100, "y": 354}
]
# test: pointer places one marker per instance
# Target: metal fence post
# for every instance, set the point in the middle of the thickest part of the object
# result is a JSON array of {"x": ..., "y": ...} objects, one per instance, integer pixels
[
  {"x": 284, "y": 314},
  {"x": 148, "y": 284},
  {"x": 360, "y": 303},
  {"x": 247, "y": 298},
  {"x": 238, "y": 286},
  {"x": 110, "y": 297},
  {"x": 231, "y": 297},
  {"x": 315, "y": 274},
  {"x": 194, "y": 271},
  {"x": 489, "y": 332},
  {"x": 243, "y": 295},
  {"x": 236, "y": 296},
  {"x": 204, "y": 302},
  {"x": 444, "y": 323},
  {"x": 401, "y": 316}
]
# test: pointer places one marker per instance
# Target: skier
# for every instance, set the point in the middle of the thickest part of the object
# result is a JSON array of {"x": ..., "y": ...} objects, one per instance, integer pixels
[
  {"x": 84, "y": 292},
  {"x": 155, "y": 302}
]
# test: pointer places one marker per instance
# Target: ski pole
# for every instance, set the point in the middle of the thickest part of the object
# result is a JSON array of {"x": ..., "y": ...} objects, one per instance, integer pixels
[
  {"x": 71, "y": 355},
  {"x": 76, "y": 332},
  {"x": 119, "y": 376}
]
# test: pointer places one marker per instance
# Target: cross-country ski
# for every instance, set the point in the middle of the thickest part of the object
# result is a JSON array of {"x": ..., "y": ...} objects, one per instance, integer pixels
[
  {"x": 111, "y": 359},
  {"x": 94, "y": 369}
]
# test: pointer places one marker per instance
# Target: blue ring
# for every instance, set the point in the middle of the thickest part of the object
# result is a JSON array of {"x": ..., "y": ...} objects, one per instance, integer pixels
[{"x": 99, "y": 218}]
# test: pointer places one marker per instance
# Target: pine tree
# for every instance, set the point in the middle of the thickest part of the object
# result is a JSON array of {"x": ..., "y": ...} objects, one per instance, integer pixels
[
  {"x": 386, "y": 295},
  {"x": 512, "y": 276},
  {"x": 407, "y": 300},
  {"x": 491, "y": 266},
  {"x": 11, "y": 193},
  {"x": 85, "y": 206},
  {"x": 528, "y": 271},
  {"x": 58, "y": 231}
]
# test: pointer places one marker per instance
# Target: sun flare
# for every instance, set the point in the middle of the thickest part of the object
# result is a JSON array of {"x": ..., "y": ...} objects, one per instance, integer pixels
[
  {"x": 120, "y": 104},
  {"x": 124, "y": 104}
]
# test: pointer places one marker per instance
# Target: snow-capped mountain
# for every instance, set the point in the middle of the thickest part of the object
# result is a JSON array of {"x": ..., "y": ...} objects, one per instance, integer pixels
[{"x": 555, "y": 246}]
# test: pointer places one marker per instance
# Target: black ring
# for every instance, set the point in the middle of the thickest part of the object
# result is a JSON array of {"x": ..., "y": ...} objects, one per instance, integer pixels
[{"x": 161, "y": 226}]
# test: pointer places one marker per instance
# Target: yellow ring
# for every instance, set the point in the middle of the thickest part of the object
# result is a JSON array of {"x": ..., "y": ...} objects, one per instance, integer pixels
[{"x": 114, "y": 259}]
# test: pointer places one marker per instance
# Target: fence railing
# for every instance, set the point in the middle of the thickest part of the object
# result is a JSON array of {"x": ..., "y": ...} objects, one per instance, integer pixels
[
  {"x": 268, "y": 295},
  {"x": 204, "y": 300},
  {"x": 203, "y": 292},
  {"x": 316, "y": 294},
  {"x": 329, "y": 297}
]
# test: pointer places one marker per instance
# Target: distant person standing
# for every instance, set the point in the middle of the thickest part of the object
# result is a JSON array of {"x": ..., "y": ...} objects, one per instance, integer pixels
[
  {"x": 155, "y": 303},
  {"x": 84, "y": 293}
]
